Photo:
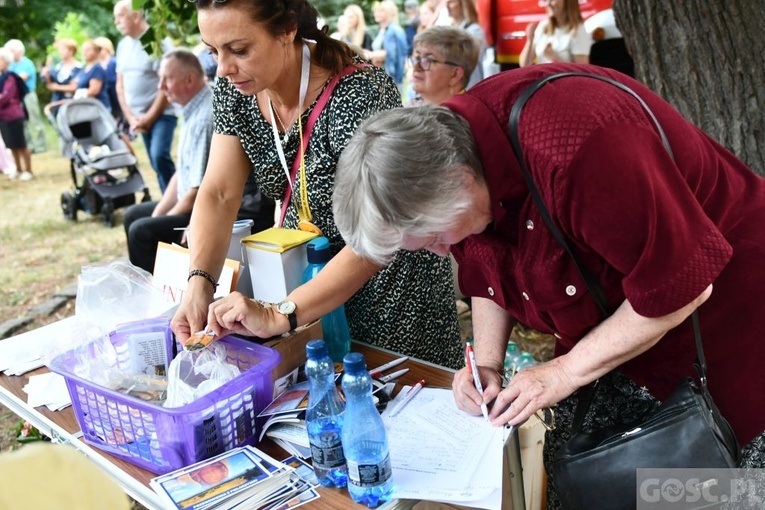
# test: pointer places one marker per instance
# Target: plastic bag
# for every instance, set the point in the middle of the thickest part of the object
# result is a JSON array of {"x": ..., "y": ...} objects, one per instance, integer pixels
[
  {"x": 116, "y": 293},
  {"x": 193, "y": 374}
]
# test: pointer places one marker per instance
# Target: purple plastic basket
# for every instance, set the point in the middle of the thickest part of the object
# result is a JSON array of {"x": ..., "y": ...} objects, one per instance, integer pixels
[{"x": 162, "y": 439}]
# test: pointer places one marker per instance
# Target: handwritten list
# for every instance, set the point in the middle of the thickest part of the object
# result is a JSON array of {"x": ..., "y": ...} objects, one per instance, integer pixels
[{"x": 439, "y": 453}]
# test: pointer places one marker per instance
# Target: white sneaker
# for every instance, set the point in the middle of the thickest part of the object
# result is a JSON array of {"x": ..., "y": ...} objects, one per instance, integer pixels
[
  {"x": 13, "y": 175},
  {"x": 26, "y": 176}
]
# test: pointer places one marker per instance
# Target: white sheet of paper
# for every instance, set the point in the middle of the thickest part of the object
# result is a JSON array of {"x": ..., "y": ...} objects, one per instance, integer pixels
[
  {"x": 22, "y": 353},
  {"x": 439, "y": 453},
  {"x": 47, "y": 389}
]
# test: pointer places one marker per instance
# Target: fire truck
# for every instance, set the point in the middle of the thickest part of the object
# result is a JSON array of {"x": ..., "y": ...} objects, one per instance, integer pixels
[{"x": 504, "y": 23}]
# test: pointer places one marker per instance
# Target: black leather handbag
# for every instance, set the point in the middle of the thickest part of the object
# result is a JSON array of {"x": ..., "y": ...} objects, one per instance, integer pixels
[{"x": 597, "y": 469}]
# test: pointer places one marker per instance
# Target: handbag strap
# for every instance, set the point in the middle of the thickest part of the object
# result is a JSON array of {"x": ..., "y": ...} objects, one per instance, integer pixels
[
  {"x": 587, "y": 393},
  {"x": 320, "y": 104}
]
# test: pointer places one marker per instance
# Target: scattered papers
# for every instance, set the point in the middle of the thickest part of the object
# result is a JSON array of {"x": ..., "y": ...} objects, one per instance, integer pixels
[
  {"x": 439, "y": 453},
  {"x": 241, "y": 478},
  {"x": 22, "y": 353},
  {"x": 47, "y": 390}
]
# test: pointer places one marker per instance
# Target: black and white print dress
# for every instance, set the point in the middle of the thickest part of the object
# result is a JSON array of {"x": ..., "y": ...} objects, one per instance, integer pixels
[{"x": 408, "y": 307}]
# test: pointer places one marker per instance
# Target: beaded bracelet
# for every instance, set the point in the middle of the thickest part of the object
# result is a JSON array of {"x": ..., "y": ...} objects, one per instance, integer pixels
[{"x": 204, "y": 274}]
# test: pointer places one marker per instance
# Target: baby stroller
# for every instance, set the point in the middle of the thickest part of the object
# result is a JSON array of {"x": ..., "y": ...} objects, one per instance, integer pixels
[{"x": 104, "y": 170}]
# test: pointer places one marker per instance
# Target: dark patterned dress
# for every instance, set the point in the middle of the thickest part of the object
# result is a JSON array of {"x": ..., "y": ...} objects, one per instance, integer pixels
[{"x": 408, "y": 307}]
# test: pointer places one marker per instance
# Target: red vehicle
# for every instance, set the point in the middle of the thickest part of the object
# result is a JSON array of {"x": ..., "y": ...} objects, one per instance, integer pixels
[{"x": 504, "y": 23}]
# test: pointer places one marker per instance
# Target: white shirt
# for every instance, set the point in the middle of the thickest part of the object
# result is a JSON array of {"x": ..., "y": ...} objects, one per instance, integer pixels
[{"x": 566, "y": 44}]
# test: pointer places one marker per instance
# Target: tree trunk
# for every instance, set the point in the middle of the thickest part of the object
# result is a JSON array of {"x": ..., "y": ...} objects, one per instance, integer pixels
[{"x": 707, "y": 58}]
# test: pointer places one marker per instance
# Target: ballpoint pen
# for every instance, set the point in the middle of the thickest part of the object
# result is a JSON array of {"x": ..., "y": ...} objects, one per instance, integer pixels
[
  {"x": 408, "y": 397},
  {"x": 382, "y": 368},
  {"x": 393, "y": 375},
  {"x": 476, "y": 377}
]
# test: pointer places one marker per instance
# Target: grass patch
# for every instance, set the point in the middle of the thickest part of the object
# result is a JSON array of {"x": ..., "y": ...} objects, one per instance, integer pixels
[{"x": 40, "y": 251}]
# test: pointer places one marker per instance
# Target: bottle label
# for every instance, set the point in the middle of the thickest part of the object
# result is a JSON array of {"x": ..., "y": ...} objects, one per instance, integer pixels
[
  {"x": 369, "y": 475},
  {"x": 327, "y": 450}
]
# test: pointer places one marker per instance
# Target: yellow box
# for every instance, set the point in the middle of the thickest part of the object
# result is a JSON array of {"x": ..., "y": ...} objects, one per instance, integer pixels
[{"x": 276, "y": 259}]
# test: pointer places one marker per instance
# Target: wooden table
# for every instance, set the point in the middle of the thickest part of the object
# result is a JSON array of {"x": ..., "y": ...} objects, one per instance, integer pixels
[{"x": 62, "y": 427}]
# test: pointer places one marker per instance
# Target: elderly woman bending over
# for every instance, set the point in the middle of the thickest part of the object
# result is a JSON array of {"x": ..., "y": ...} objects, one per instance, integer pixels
[{"x": 656, "y": 231}]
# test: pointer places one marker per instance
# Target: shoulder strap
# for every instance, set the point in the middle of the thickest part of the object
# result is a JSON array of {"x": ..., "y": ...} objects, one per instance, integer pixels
[
  {"x": 587, "y": 393},
  {"x": 320, "y": 104},
  {"x": 317, "y": 109}
]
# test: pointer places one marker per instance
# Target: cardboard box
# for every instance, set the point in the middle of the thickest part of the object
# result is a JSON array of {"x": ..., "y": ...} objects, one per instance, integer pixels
[
  {"x": 532, "y": 436},
  {"x": 276, "y": 258},
  {"x": 292, "y": 347}
]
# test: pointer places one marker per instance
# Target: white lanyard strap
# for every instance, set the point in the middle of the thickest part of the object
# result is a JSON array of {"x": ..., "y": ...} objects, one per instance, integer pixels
[{"x": 304, "y": 75}]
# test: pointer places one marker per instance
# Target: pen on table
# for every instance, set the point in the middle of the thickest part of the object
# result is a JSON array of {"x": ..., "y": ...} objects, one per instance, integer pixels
[
  {"x": 393, "y": 375},
  {"x": 382, "y": 368},
  {"x": 408, "y": 397},
  {"x": 476, "y": 377}
]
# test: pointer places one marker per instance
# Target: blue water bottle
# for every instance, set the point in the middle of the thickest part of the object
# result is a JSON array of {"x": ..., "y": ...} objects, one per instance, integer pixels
[
  {"x": 365, "y": 440},
  {"x": 334, "y": 325},
  {"x": 324, "y": 417}
]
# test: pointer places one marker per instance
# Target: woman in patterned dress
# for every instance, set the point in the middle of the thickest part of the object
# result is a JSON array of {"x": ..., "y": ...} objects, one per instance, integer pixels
[{"x": 262, "y": 48}]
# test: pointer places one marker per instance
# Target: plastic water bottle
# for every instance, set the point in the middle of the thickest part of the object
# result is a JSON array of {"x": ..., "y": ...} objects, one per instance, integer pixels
[
  {"x": 512, "y": 354},
  {"x": 324, "y": 417},
  {"x": 524, "y": 361},
  {"x": 334, "y": 325},
  {"x": 365, "y": 440}
]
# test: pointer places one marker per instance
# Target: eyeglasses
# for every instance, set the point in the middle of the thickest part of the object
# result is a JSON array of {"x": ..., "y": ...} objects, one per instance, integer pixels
[{"x": 426, "y": 62}]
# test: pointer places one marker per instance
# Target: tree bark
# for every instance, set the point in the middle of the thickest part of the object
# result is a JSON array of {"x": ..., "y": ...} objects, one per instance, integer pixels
[{"x": 707, "y": 58}]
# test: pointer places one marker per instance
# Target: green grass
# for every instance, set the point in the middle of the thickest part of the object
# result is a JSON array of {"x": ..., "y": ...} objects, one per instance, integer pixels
[{"x": 40, "y": 251}]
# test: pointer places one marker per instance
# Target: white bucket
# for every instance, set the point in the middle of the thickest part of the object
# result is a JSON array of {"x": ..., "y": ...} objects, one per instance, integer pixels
[{"x": 240, "y": 230}]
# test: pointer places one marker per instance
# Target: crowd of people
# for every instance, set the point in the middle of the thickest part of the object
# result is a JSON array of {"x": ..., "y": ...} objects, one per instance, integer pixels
[{"x": 658, "y": 236}]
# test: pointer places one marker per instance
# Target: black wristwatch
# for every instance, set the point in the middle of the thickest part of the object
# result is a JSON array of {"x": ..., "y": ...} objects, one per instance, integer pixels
[{"x": 287, "y": 308}]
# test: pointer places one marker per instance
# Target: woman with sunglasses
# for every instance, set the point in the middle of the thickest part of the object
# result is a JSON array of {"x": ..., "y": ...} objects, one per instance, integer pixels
[{"x": 274, "y": 64}]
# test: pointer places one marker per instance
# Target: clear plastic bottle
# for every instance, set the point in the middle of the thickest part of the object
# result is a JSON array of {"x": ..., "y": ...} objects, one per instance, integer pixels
[
  {"x": 334, "y": 325},
  {"x": 524, "y": 361},
  {"x": 365, "y": 440},
  {"x": 512, "y": 354},
  {"x": 324, "y": 417}
]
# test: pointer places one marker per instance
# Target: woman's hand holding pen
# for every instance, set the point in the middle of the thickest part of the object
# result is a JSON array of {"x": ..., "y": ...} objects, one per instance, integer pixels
[{"x": 465, "y": 393}]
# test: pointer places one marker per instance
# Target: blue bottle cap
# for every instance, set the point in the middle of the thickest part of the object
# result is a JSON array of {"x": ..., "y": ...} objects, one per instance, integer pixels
[
  {"x": 353, "y": 363},
  {"x": 316, "y": 349},
  {"x": 318, "y": 251}
]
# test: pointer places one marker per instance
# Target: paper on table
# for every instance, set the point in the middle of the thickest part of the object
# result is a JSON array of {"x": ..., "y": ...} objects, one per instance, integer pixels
[
  {"x": 47, "y": 390},
  {"x": 22, "y": 353},
  {"x": 439, "y": 453}
]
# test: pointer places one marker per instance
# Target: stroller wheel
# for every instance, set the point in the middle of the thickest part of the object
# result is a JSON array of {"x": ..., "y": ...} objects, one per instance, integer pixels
[
  {"x": 107, "y": 211},
  {"x": 69, "y": 206}
]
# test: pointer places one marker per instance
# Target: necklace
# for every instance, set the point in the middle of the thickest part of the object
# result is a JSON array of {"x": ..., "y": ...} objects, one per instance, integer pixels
[{"x": 282, "y": 124}]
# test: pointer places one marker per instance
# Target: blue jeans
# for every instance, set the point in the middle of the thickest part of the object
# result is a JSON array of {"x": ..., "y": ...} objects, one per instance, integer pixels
[{"x": 158, "y": 142}]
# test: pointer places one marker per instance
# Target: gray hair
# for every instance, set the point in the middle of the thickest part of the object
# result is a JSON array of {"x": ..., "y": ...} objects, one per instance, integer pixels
[
  {"x": 403, "y": 175},
  {"x": 456, "y": 45},
  {"x": 187, "y": 59},
  {"x": 15, "y": 45},
  {"x": 6, "y": 55}
]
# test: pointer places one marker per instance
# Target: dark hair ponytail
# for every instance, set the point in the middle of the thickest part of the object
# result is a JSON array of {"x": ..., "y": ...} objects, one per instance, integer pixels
[
  {"x": 330, "y": 53},
  {"x": 280, "y": 16}
]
